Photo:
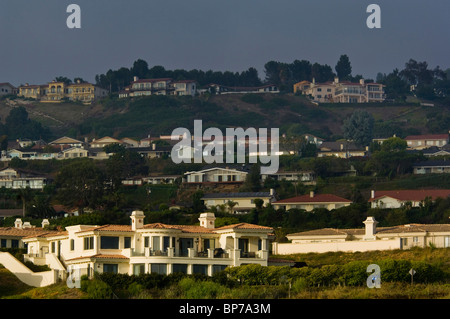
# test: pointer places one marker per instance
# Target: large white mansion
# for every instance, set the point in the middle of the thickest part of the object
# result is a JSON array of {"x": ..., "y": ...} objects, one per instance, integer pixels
[{"x": 151, "y": 248}]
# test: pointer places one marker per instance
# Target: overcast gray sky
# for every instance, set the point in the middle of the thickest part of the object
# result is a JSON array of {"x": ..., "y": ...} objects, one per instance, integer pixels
[{"x": 36, "y": 45}]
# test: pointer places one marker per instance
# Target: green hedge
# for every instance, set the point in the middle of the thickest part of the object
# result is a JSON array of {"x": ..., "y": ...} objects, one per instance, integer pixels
[{"x": 351, "y": 274}]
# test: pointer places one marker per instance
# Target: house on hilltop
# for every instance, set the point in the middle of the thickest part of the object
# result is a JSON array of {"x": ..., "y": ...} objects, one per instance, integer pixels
[
  {"x": 420, "y": 142},
  {"x": 7, "y": 89},
  {"x": 398, "y": 198},
  {"x": 311, "y": 201},
  {"x": 245, "y": 201},
  {"x": 217, "y": 175}
]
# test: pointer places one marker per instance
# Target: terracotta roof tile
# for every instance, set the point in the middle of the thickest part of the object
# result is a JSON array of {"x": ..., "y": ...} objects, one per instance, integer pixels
[
  {"x": 412, "y": 194},
  {"x": 27, "y": 232},
  {"x": 244, "y": 226},
  {"x": 427, "y": 137},
  {"x": 119, "y": 228}
]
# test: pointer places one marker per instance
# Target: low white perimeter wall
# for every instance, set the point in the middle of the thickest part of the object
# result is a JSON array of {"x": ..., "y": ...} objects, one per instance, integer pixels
[
  {"x": 349, "y": 246},
  {"x": 24, "y": 274}
]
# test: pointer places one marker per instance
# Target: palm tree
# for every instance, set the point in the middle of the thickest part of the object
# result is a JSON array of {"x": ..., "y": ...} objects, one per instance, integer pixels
[
  {"x": 25, "y": 194},
  {"x": 230, "y": 205}
]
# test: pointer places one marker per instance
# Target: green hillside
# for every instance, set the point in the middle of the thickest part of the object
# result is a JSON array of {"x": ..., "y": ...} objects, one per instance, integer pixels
[{"x": 294, "y": 115}]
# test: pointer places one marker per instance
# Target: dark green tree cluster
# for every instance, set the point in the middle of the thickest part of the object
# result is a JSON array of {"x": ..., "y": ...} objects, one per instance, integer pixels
[
  {"x": 19, "y": 126},
  {"x": 115, "y": 80},
  {"x": 359, "y": 127},
  {"x": 426, "y": 83},
  {"x": 286, "y": 74}
]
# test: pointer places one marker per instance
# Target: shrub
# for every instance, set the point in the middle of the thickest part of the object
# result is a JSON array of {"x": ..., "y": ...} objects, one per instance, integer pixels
[
  {"x": 194, "y": 289},
  {"x": 394, "y": 270},
  {"x": 97, "y": 289},
  {"x": 299, "y": 285},
  {"x": 355, "y": 273},
  {"x": 135, "y": 289}
]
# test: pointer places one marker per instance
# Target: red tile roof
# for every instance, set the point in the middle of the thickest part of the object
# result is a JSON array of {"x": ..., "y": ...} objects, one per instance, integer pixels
[
  {"x": 412, "y": 195},
  {"x": 119, "y": 228},
  {"x": 317, "y": 198},
  {"x": 428, "y": 137},
  {"x": 244, "y": 226}
]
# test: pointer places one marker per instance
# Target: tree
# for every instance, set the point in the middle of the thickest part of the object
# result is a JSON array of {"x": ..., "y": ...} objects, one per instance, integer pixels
[
  {"x": 359, "y": 127},
  {"x": 343, "y": 67},
  {"x": 80, "y": 184},
  {"x": 394, "y": 144},
  {"x": 322, "y": 73},
  {"x": 253, "y": 180},
  {"x": 18, "y": 125},
  {"x": 25, "y": 195},
  {"x": 396, "y": 87},
  {"x": 140, "y": 68},
  {"x": 124, "y": 164},
  {"x": 230, "y": 205},
  {"x": 78, "y": 79},
  {"x": 63, "y": 79}
]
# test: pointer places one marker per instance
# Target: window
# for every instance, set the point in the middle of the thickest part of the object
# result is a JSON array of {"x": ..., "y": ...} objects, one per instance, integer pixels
[
  {"x": 158, "y": 269},
  {"x": 14, "y": 243},
  {"x": 127, "y": 242},
  {"x": 218, "y": 268},
  {"x": 166, "y": 242},
  {"x": 112, "y": 268},
  {"x": 88, "y": 243},
  {"x": 180, "y": 268},
  {"x": 72, "y": 244},
  {"x": 107, "y": 242},
  {"x": 404, "y": 241},
  {"x": 138, "y": 269},
  {"x": 146, "y": 242},
  {"x": 156, "y": 243},
  {"x": 53, "y": 250},
  {"x": 200, "y": 269},
  {"x": 3, "y": 243}
]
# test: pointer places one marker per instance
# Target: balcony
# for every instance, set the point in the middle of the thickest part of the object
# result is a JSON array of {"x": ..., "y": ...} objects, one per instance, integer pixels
[{"x": 192, "y": 253}]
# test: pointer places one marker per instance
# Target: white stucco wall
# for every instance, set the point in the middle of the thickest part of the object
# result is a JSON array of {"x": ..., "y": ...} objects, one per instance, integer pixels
[{"x": 348, "y": 246}]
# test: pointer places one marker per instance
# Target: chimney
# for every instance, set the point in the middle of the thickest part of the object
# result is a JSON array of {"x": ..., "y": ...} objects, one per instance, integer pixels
[
  {"x": 361, "y": 81},
  {"x": 18, "y": 223},
  {"x": 336, "y": 80},
  {"x": 372, "y": 194},
  {"x": 272, "y": 192},
  {"x": 153, "y": 146},
  {"x": 137, "y": 220},
  {"x": 371, "y": 228},
  {"x": 45, "y": 222},
  {"x": 135, "y": 78},
  {"x": 207, "y": 220},
  {"x": 314, "y": 81},
  {"x": 27, "y": 225},
  {"x": 342, "y": 146},
  {"x": 311, "y": 194}
]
